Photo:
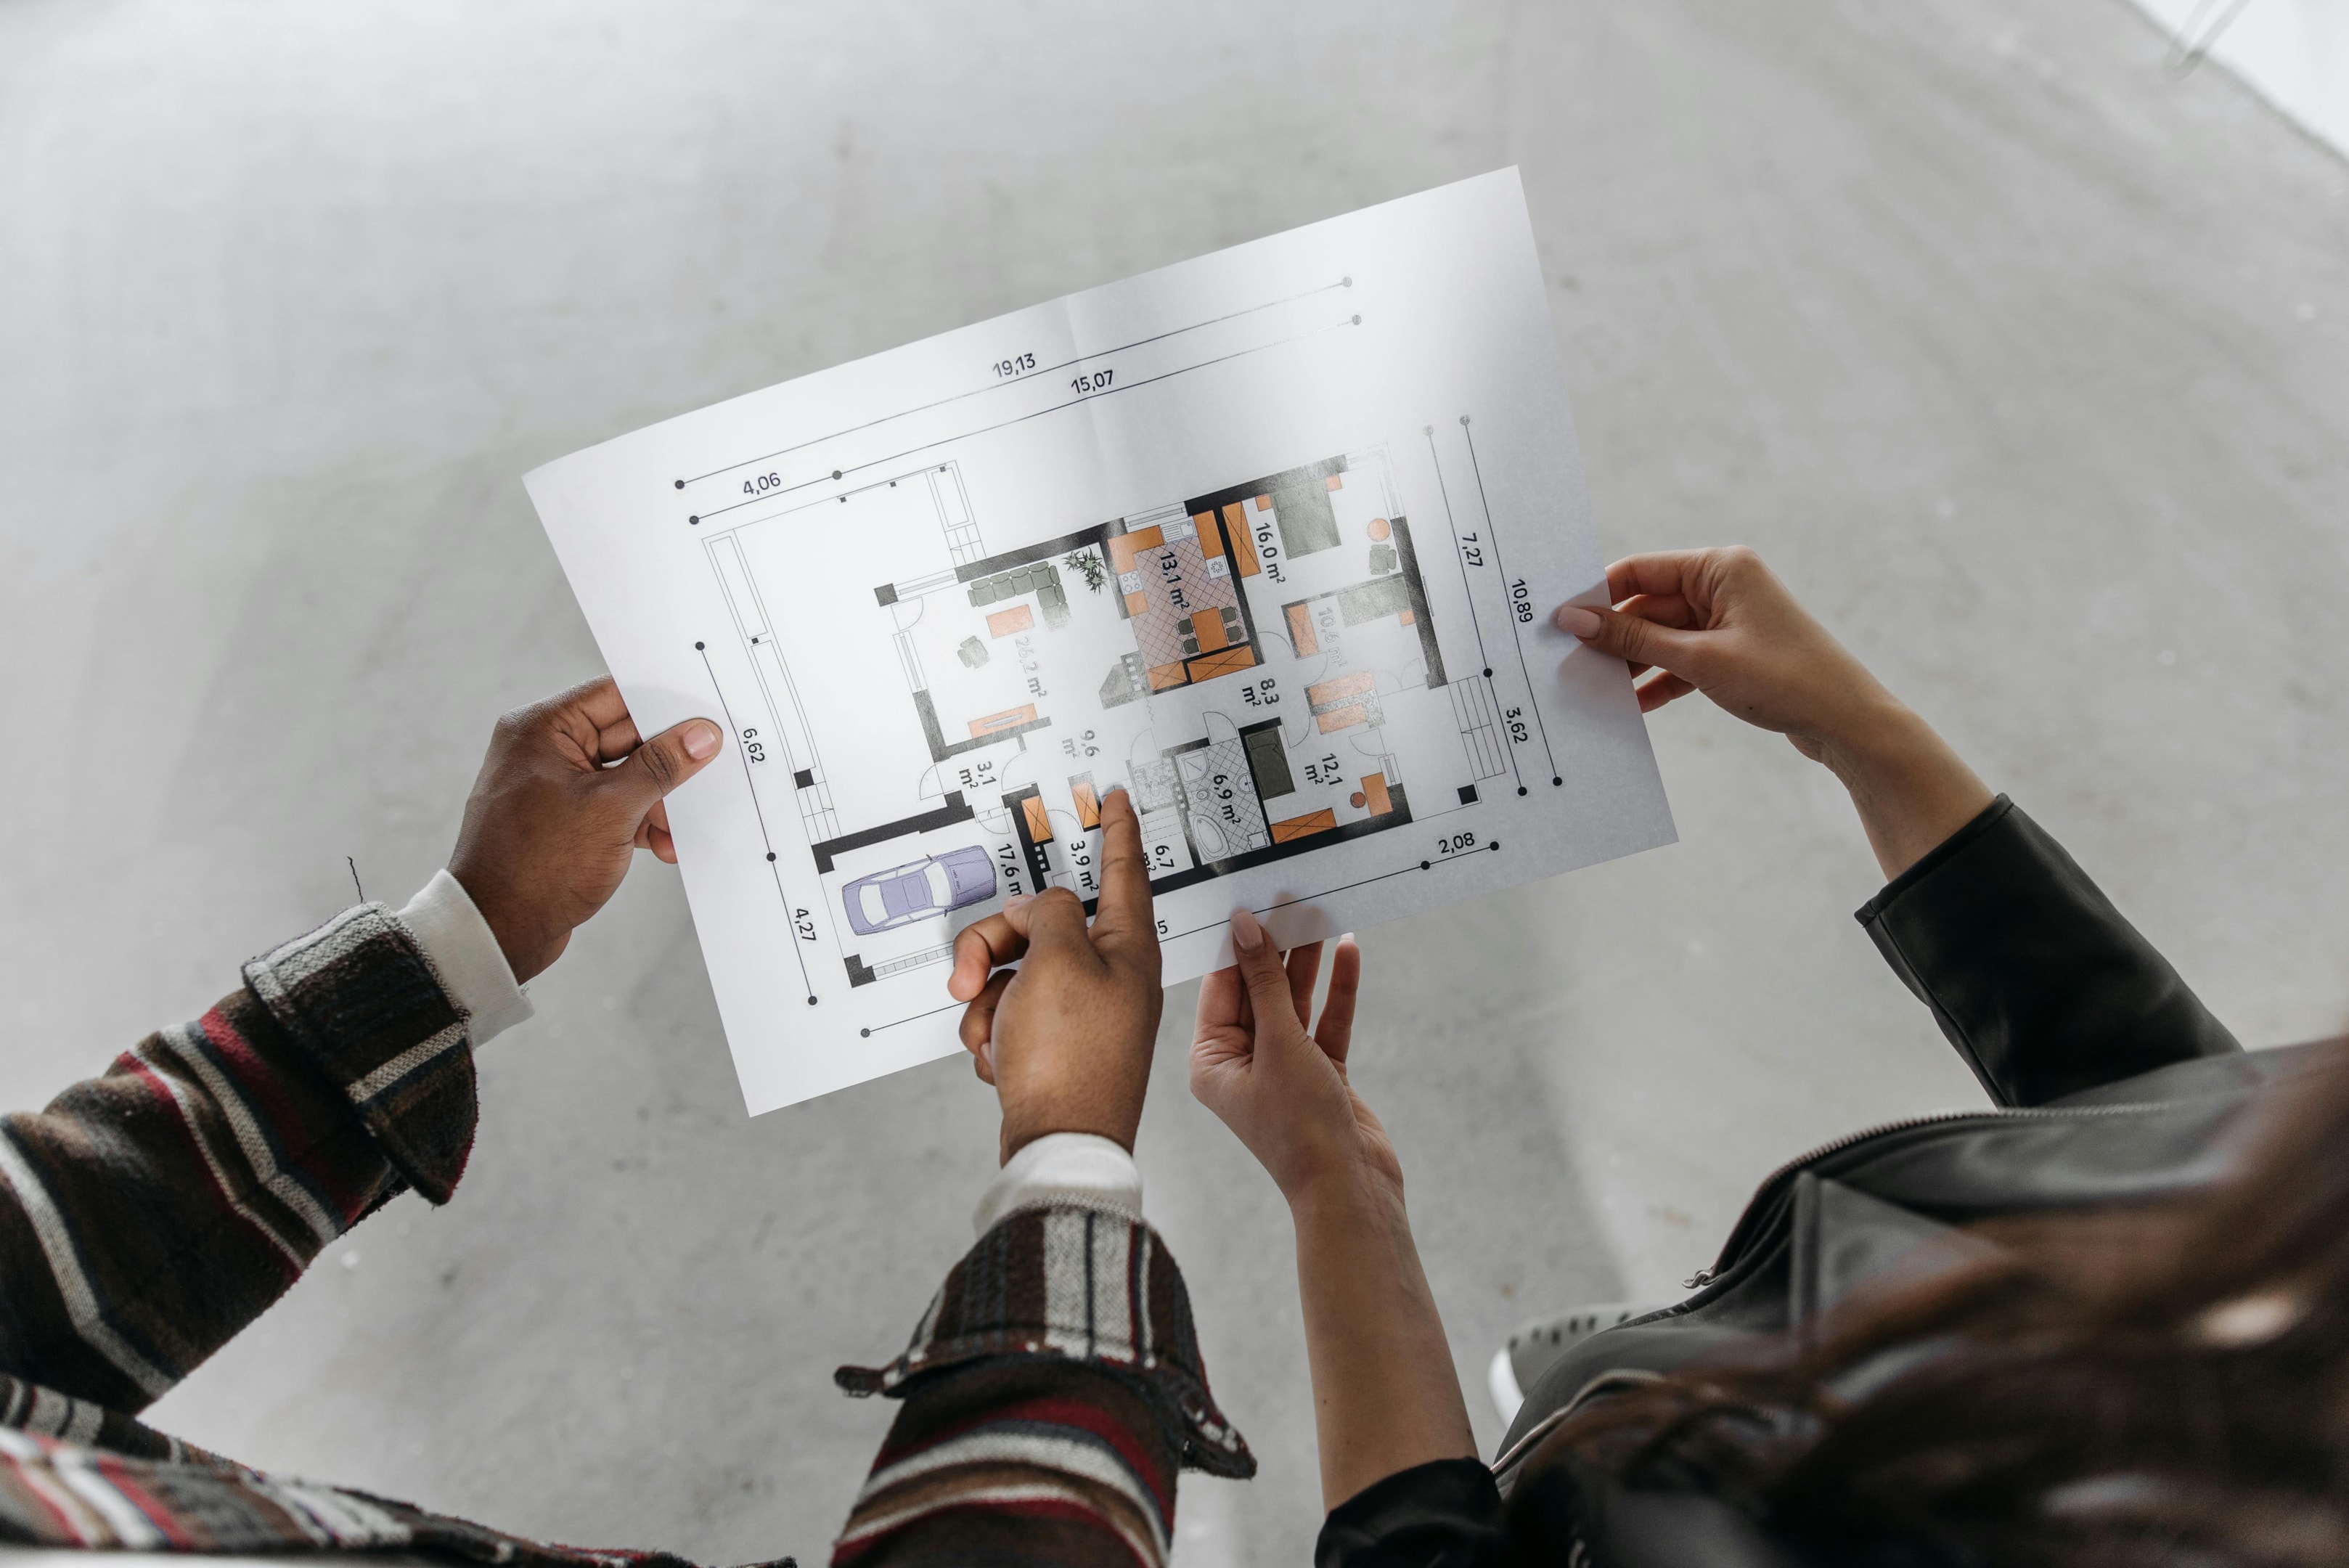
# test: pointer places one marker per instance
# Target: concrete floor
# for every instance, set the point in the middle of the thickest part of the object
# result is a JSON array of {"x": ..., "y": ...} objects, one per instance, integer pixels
[{"x": 2027, "y": 366}]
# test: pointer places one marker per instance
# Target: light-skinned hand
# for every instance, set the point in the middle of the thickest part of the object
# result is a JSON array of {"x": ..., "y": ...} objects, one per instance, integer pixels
[
  {"x": 567, "y": 794},
  {"x": 1385, "y": 1395},
  {"x": 1281, "y": 1090},
  {"x": 1066, "y": 1039},
  {"x": 1720, "y": 622}
]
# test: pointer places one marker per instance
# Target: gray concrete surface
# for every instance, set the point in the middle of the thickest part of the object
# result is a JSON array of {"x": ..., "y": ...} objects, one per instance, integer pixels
[{"x": 2028, "y": 366}]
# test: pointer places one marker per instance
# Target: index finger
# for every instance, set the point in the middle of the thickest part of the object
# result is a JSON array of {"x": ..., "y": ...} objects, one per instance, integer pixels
[
  {"x": 1124, "y": 916},
  {"x": 598, "y": 701},
  {"x": 1662, "y": 573}
]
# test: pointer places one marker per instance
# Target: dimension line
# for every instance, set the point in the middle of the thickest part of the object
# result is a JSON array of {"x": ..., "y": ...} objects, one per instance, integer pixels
[
  {"x": 1533, "y": 697},
  {"x": 1039, "y": 414},
  {"x": 734, "y": 736},
  {"x": 1032, "y": 375},
  {"x": 933, "y": 1013},
  {"x": 1346, "y": 888},
  {"x": 1449, "y": 522}
]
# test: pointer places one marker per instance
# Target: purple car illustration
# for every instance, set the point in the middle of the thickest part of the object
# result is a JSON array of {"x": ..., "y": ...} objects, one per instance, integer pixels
[{"x": 930, "y": 886}]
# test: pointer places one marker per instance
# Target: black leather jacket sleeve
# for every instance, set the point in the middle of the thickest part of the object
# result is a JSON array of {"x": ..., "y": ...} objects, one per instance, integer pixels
[
  {"x": 2041, "y": 984},
  {"x": 1444, "y": 1514}
]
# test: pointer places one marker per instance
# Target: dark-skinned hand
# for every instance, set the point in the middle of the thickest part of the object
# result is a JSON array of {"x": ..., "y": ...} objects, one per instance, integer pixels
[
  {"x": 567, "y": 794},
  {"x": 1066, "y": 1039}
]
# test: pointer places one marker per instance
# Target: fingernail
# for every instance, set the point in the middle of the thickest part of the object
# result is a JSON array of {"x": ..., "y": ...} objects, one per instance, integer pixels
[
  {"x": 1576, "y": 620},
  {"x": 1118, "y": 788},
  {"x": 700, "y": 740},
  {"x": 1017, "y": 901},
  {"x": 1247, "y": 932}
]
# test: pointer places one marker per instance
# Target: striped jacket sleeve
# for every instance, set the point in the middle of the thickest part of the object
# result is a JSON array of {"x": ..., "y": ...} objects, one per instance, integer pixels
[
  {"x": 1051, "y": 1392},
  {"x": 147, "y": 1215}
]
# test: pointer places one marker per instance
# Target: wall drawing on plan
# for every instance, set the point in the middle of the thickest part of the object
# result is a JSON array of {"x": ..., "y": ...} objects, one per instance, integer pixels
[{"x": 1257, "y": 664}]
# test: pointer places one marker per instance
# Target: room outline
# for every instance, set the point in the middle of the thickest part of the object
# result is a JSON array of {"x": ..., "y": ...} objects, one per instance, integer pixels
[{"x": 1257, "y": 664}]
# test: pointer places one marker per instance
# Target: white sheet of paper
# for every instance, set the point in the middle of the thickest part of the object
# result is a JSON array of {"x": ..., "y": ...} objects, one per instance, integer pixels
[{"x": 1270, "y": 537}]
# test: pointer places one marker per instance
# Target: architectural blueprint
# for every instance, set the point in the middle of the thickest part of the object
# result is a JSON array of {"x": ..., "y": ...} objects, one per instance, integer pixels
[{"x": 1269, "y": 539}]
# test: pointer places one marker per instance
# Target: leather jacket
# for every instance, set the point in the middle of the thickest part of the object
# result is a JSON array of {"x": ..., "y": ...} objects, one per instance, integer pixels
[{"x": 2111, "y": 1083}]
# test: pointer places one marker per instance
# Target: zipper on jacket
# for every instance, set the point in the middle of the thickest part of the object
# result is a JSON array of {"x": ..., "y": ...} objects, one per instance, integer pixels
[{"x": 1786, "y": 1172}]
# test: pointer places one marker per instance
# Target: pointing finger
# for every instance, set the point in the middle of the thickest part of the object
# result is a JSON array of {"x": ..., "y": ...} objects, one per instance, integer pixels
[{"x": 1122, "y": 919}]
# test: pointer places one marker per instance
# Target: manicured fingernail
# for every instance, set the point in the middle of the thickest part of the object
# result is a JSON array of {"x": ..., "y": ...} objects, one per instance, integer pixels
[
  {"x": 1247, "y": 932},
  {"x": 700, "y": 740},
  {"x": 1576, "y": 620}
]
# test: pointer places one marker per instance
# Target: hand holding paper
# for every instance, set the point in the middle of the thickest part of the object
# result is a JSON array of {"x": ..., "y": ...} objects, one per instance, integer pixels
[
  {"x": 568, "y": 793},
  {"x": 1721, "y": 622},
  {"x": 1263, "y": 539},
  {"x": 1066, "y": 1039}
]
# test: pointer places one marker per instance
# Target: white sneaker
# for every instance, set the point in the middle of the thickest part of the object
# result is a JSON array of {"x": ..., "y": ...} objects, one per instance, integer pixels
[{"x": 1536, "y": 1347}]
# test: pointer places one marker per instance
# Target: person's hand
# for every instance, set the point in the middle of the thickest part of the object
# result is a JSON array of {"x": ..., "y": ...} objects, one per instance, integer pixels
[
  {"x": 568, "y": 793},
  {"x": 1384, "y": 1395},
  {"x": 1720, "y": 622},
  {"x": 1066, "y": 1039},
  {"x": 1282, "y": 1091}
]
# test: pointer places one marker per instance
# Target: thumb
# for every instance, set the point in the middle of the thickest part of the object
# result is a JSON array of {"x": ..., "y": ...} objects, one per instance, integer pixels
[
  {"x": 1634, "y": 640},
  {"x": 1267, "y": 980},
  {"x": 661, "y": 764}
]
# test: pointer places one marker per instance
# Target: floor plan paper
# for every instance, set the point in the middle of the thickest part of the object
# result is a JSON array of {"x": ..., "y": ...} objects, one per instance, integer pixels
[{"x": 1270, "y": 538}]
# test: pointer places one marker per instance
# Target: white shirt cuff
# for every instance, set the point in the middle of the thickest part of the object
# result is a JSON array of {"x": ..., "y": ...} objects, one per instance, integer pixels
[
  {"x": 1083, "y": 1169},
  {"x": 465, "y": 954}
]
